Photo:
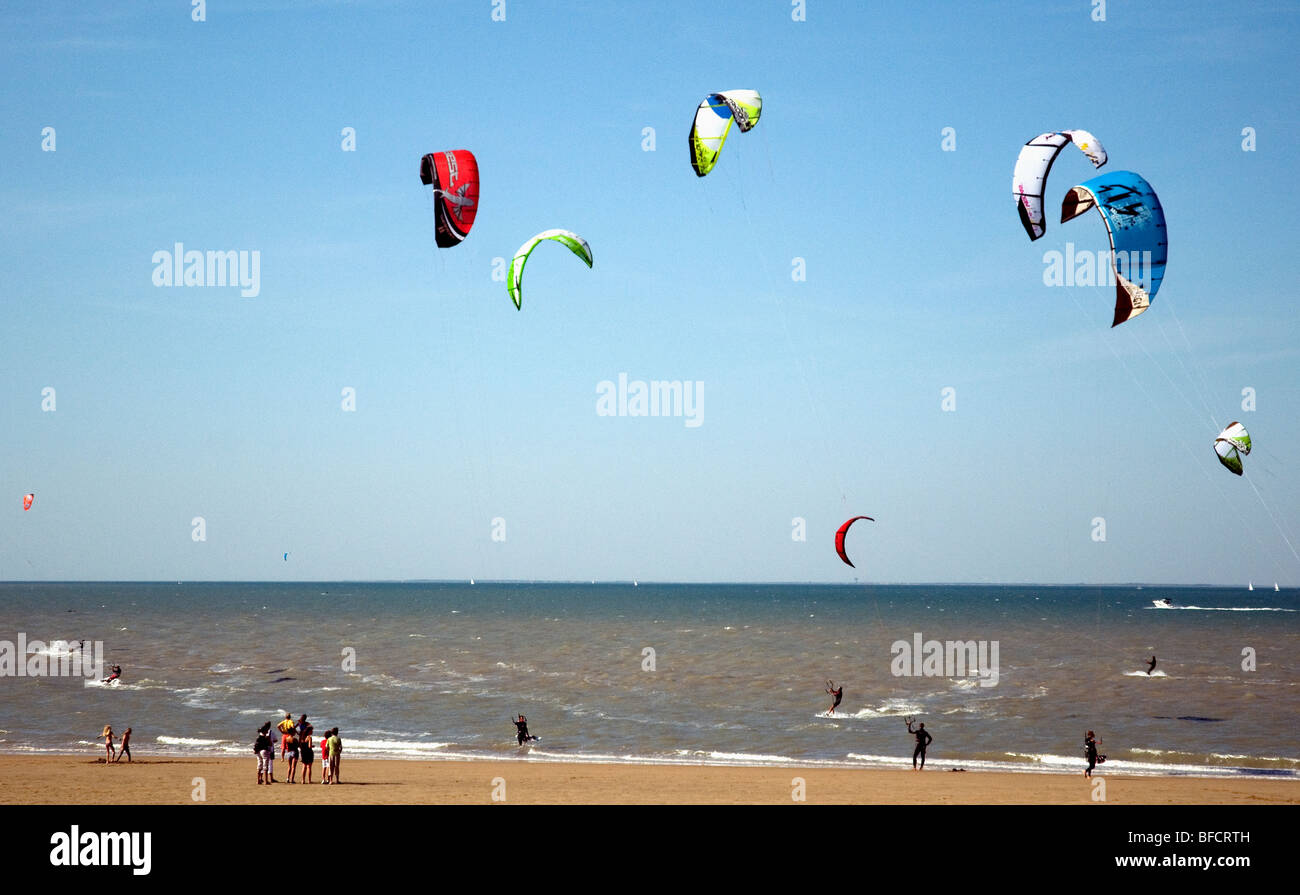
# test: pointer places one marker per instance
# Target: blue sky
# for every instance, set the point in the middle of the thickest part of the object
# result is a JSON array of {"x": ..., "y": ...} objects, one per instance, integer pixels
[{"x": 821, "y": 398}]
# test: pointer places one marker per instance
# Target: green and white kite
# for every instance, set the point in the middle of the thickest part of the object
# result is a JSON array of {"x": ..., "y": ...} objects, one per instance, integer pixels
[
  {"x": 1231, "y": 445},
  {"x": 713, "y": 120},
  {"x": 514, "y": 281}
]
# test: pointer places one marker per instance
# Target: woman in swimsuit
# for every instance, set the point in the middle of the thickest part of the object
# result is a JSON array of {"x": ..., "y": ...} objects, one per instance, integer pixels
[
  {"x": 108, "y": 742},
  {"x": 291, "y": 753}
]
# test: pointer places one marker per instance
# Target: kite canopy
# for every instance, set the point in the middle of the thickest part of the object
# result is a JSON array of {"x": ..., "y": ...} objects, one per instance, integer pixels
[
  {"x": 514, "y": 280},
  {"x": 1139, "y": 245},
  {"x": 1231, "y": 445},
  {"x": 453, "y": 174},
  {"x": 1029, "y": 183},
  {"x": 713, "y": 120},
  {"x": 839, "y": 538},
  {"x": 27, "y": 501}
]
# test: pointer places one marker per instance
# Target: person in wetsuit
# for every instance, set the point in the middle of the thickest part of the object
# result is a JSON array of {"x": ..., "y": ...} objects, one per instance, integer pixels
[
  {"x": 1090, "y": 746},
  {"x": 115, "y": 673},
  {"x": 838, "y": 694},
  {"x": 522, "y": 727},
  {"x": 1153, "y": 665},
  {"x": 923, "y": 739}
]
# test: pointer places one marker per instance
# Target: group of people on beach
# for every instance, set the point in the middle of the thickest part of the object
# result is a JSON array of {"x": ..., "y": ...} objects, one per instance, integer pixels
[
  {"x": 124, "y": 746},
  {"x": 923, "y": 738},
  {"x": 298, "y": 747}
]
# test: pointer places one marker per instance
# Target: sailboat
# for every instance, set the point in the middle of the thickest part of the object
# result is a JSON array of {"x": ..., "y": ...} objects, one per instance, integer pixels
[
  {"x": 1250, "y": 586},
  {"x": 1275, "y": 587}
]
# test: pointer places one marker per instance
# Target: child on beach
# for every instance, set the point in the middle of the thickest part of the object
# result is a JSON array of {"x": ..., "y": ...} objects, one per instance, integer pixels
[
  {"x": 108, "y": 742},
  {"x": 125, "y": 747},
  {"x": 325, "y": 757}
]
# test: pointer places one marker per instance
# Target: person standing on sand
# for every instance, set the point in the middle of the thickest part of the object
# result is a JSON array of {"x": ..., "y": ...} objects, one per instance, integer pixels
[
  {"x": 262, "y": 747},
  {"x": 291, "y": 753},
  {"x": 286, "y": 728},
  {"x": 1090, "y": 747},
  {"x": 336, "y": 755},
  {"x": 307, "y": 754},
  {"x": 270, "y": 753},
  {"x": 124, "y": 747},
  {"x": 107, "y": 736},
  {"x": 325, "y": 757},
  {"x": 838, "y": 694},
  {"x": 923, "y": 740}
]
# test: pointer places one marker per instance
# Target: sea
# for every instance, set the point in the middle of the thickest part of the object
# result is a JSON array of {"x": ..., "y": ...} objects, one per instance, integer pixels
[{"x": 648, "y": 673}]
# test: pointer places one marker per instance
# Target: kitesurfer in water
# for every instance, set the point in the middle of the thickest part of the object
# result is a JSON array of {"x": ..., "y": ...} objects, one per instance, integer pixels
[
  {"x": 115, "y": 673},
  {"x": 923, "y": 739},
  {"x": 1153, "y": 665},
  {"x": 838, "y": 694},
  {"x": 522, "y": 727}
]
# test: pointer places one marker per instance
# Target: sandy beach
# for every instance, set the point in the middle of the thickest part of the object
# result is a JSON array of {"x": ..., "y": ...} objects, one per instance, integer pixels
[{"x": 45, "y": 780}]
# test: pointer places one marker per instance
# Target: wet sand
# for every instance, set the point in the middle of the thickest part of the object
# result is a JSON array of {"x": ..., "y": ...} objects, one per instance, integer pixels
[{"x": 83, "y": 780}]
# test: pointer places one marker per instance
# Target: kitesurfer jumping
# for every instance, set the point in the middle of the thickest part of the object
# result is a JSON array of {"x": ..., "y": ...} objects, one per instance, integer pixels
[
  {"x": 1153, "y": 665},
  {"x": 838, "y": 694},
  {"x": 522, "y": 726},
  {"x": 923, "y": 739}
]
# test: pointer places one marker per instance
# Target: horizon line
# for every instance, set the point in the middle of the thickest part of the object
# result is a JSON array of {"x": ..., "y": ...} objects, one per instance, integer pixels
[{"x": 617, "y": 581}]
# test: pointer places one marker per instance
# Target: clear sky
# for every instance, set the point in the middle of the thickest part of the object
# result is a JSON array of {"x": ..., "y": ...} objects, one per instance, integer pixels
[{"x": 821, "y": 398}]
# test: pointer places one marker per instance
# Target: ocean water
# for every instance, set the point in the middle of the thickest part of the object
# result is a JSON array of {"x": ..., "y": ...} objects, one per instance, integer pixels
[{"x": 738, "y": 672}]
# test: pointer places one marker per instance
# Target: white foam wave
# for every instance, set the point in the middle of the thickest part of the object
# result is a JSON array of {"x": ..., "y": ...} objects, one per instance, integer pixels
[
  {"x": 187, "y": 741},
  {"x": 1228, "y": 608}
]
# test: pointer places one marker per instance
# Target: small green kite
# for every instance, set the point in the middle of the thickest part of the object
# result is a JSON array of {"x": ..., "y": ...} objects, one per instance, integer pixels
[{"x": 514, "y": 281}]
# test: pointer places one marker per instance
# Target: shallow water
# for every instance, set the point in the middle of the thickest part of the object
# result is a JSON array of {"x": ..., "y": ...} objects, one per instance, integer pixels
[{"x": 738, "y": 672}]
